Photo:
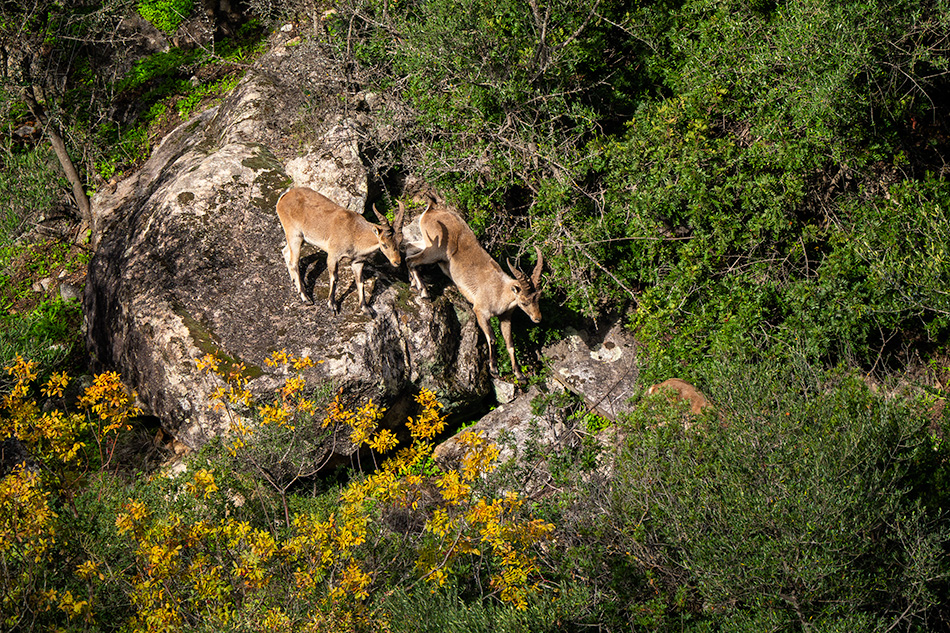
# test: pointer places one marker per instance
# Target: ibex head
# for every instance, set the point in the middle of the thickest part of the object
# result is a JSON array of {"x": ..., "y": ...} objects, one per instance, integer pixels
[
  {"x": 528, "y": 289},
  {"x": 390, "y": 235}
]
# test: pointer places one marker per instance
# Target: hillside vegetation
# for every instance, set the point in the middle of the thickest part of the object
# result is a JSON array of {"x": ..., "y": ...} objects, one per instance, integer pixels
[
  {"x": 751, "y": 177},
  {"x": 760, "y": 189}
]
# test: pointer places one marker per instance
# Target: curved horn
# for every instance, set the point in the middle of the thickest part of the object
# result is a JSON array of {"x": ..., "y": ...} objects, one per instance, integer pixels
[
  {"x": 400, "y": 216},
  {"x": 536, "y": 273},
  {"x": 515, "y": 272},
  {"x": 382, "y": 218}
]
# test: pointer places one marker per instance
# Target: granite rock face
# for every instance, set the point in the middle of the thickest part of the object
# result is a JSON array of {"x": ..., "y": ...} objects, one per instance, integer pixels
[{"x": 189, "y": 262}]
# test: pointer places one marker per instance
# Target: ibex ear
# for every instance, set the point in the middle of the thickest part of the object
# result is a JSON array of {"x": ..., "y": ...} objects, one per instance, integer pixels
[{"x": 516, "y": 288}]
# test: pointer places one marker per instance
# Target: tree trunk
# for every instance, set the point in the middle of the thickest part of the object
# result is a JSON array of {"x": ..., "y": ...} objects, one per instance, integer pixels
[
  {"x": 79, "y": 192},
  {"x": 59, "y": 147}
]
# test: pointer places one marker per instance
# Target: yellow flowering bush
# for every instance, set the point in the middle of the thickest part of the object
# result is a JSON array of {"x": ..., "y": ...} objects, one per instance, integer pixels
[
  {"x": 60, "y": 438},
  {"x": 178, "y": 551},
  {"x": 65, "y": 447},
  {"x": 330, "y": 554}
]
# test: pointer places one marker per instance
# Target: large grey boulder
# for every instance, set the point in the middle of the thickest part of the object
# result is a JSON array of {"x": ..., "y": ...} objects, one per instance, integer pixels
[{"x": 189, "y": 262}]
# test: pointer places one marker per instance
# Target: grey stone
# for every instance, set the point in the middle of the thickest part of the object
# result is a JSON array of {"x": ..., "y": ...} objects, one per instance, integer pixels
[
  {"x": 70, "y": 292},
  {"x": 333, "y": 167},
  {"x": 189, "y": 262},
  {"x": 602, "y": 368}
]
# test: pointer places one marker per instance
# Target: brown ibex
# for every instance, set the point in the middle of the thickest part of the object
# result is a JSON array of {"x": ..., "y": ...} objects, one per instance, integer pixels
[
  {"x": 678, "y": 389},
  {"x": 448, "y": 241},
  {"x": 309, "y": 216}
]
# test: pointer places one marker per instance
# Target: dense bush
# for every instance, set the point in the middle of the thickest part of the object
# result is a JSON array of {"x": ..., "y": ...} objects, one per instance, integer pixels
[
  {"x": 723, "y": 167},
  {"x": 806, "y": 500}
]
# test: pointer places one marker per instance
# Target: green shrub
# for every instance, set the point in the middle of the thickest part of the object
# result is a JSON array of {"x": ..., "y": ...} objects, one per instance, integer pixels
[
  {"x": 166, "y": 15},
  {"x": 31, "y": 183},
  {"x": 800, "y": 501},
  {"x": 730, "y": 178}
]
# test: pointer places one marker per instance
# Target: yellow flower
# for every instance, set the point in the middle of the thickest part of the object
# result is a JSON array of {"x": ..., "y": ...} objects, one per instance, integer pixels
[
  {"x": 202, "y": 484},
  {"x": 453, "y": 490},
  {"x": 89, "y": 569},
  {"x": 429, "y": 423},
  {"x": 208, "y": 362}
]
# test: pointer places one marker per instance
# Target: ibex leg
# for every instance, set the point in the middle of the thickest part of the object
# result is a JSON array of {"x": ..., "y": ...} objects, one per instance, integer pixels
[
  {"x": 427, "y": 256},
  {"x": 357, "y": 268},
  {"x": 505, "y": 322},
  {"x": 332, "y": 268},
  {"x": 292, "y": 259},
  {"x": 485, "y": 325}
]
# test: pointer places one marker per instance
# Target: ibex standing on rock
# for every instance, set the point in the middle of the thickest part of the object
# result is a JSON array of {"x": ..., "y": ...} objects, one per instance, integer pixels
[
  {"x": 309, "y": 216},
  {"x": 448, "y": 241}
]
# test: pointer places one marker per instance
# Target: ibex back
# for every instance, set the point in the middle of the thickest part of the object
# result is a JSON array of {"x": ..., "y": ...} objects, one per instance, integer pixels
[
  {"x": 448, "y": 241},
  {"x": 309, "y": 216},
  {"x": 679, "y": 389}
]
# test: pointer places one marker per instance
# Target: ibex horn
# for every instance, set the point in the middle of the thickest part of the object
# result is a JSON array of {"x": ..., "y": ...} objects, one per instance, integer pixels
[
  {"x": 536, "y": 274},
  {"x": 382, "y": 218},
  {"x": 517, "y": 274},
  {"x": 400, "y": 215}
]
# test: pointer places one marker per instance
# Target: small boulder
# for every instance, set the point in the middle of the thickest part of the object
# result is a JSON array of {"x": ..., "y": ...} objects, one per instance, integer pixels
[
  {"x": 516, "y": 429},
  {"x": 601, "y": 367}
]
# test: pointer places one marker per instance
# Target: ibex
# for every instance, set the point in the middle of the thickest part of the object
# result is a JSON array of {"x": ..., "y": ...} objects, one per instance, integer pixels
[
  {"x": 678, "y": 389},
  {"x": 448, "y": 241},
  {"x": 309, "y": 216}
]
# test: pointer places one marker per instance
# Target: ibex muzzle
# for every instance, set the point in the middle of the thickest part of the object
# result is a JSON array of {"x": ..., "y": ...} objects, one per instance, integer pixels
[
  {"x": 308, "y": 216},
  {"x": 449, "y": 242}
]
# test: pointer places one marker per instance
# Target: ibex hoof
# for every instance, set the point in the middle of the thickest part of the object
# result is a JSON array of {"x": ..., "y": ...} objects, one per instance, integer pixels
[
  {"x": 368, "y": 311},
  {"x": 334, "y": 308}
]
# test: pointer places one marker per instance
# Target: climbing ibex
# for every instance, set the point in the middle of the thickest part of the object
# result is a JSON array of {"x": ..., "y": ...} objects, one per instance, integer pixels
[
  {"x": 309, "y": 216},
  {"x": 448, "y": 241}
]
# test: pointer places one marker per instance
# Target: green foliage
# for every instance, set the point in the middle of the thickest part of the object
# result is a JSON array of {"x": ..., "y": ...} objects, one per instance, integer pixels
[
  {"x": 30, "y": 183},
  {"x": 901, "y": 243},
  {"x": 731, "y": 178},
  {"x": 166, "y": 15},
  {"x": 799, "y": 504},
  {"x": 157, "y": 68},
  {"x": 187, "y": 105},
  {"x": 470, "y": 68},
  {"x": 37, "y": 326},
  {"x": 447, "y": 612}
]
